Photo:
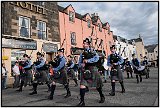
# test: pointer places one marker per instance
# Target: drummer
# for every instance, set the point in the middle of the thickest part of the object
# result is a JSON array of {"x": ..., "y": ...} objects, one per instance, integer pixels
[{"x": 136, "y": 64}]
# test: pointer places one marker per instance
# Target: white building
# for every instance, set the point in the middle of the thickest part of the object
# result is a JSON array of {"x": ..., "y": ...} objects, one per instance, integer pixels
[
  {"x": 124, "y": 47},
  {"x": 151, "y": 52}
]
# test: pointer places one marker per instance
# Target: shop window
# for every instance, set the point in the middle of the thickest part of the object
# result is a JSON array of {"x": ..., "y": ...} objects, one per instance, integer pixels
[
  {"x": 73, "y": 38},
  {"x": 24, "y": 26},
  {"x": 89, "y": 23},
  {"x": 41, "y": 30},
  {"x": 71, "y": 16},
  {"x": 100, "y": 28}
]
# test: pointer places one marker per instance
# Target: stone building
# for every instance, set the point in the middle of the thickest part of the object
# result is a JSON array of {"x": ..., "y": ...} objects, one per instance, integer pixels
[{"x": 28, "y": 27}]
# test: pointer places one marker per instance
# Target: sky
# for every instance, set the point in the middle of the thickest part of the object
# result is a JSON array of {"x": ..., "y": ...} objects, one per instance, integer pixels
[{"x": 127, "y": 19}]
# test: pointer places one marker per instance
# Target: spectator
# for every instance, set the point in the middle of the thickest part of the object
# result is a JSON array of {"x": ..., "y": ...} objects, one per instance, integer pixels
[
  {"x": 16, "y": 73},
  {"x": 4, "y": 76}
]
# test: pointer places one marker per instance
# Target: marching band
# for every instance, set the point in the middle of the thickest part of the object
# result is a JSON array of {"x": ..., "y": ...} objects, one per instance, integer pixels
[{"x": 89, "y": 69}]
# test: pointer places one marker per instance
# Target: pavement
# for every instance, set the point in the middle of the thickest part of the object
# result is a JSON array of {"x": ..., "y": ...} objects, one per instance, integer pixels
[{"x": 142, "y": 94}]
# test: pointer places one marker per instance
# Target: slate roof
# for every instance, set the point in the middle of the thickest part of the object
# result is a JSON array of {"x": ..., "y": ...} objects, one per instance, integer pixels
[{"x": 150, "y": 48}]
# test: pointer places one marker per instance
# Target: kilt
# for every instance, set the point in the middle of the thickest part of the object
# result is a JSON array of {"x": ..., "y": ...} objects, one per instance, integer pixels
[
  {"x": 136, "y": 71},
  {"x": 71, "y": 74},
  {"x": 128, "y": 69},
  {"x": 63, "y": 79},
  {"x": 95, "y": 81},
  {"x": 43, "y": 77},
  {"x": 116, "y": 74}
]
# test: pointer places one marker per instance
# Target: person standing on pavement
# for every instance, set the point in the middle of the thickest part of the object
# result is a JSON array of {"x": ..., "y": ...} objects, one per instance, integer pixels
[
  {"x": 128, "y": 68},
  {"x": 114, "y": 61},
  {"x": 89, "y": 72},
  {"x": 16, "y": 73},
  {"x": 145, "y": 63},
  {"x": 4, "y": 76},
  {"x": 136, "y": 64}
]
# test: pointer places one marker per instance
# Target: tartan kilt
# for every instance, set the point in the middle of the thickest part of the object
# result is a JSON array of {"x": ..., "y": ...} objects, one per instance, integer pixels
[
  {"x": 71, "y": 74},
  {"x": 116, "y": 74},
  {"x": 128, "y": 69},
  {"x": 63, "y": 79},
  {"x": 95, "y": 81},
  {"x": 43, "y": 77}
]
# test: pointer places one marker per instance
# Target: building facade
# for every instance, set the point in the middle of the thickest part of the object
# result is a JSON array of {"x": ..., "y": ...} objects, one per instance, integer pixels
[
  {"x": 151, "y": 52},
  {"x": 124, "y": 47},
  {"x": 75, "y": 27},
  {"x": 29, "y": 27},
  {"x": 140, "y": 50}
]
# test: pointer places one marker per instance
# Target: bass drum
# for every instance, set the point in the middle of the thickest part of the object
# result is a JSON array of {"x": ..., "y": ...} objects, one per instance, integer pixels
[{"x": 105, "y": 64}]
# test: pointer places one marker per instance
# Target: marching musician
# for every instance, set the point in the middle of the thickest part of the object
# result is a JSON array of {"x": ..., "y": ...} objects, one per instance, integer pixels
[
  {"x": 145, "y": 63},
  {"x": 87, "y": 63},
  {"x": 40, "y": 73},
  {"x": 128, "y": 68},
  {"x": 136, "y": 64},
  {"x": 70, "y": 66},
  {"x": 59, "y": 67},
  {"x": 26, "y": 76},
  {"x": 114, "y": 61}
]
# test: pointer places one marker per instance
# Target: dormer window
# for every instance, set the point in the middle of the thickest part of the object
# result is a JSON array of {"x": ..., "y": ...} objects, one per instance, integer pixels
[
  {"x": 100, "y": 28},
  {"x": 89, "y": 23},
  {"x": 71, "y": 16}
]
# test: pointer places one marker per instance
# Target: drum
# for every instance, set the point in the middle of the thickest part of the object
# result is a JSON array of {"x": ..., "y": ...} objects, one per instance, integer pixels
[
  {"x": 87, "y": 74},
  {"x": 142, "y": 70}
]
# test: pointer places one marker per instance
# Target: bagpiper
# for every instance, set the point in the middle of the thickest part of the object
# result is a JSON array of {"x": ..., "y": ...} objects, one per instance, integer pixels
[
  {"x": 70, "y": 69},
  {"x": 89, "y": 75},
  {"x": 114, "y": 61},
  {"x": 59, "y": 74}
]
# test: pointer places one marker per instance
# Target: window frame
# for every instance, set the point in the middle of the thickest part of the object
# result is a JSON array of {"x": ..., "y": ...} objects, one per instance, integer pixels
[
  {"x": 89, "y": 23},
  {"x": 99, "y": 27},
  {"x": 73, "y": 40},
  {"x": 71, "y": 19},
  {"x": 38, "y": 30},
  {"x": 29, "y": 26}
]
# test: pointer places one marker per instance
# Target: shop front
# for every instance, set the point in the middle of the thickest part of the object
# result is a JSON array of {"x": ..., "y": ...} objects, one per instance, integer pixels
[{"x": 13, "y": 49}]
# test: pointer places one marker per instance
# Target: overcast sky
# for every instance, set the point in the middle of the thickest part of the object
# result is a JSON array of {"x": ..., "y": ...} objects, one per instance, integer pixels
[{"x": 127, "y": 19}]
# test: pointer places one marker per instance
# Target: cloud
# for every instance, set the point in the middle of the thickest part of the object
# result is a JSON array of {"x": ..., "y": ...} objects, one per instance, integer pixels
[{"x": 127, "y": 19}]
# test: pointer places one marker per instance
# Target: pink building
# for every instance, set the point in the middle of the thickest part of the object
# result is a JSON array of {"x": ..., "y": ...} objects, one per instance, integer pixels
[{"x": 75, "y": 27}]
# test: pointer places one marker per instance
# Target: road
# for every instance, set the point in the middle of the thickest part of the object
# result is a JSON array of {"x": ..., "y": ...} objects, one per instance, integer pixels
[{"x": 142, "y": 94}]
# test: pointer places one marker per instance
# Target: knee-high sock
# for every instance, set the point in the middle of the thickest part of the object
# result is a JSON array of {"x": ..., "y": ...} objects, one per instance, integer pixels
[
  {"x": 35, "y": 86},
  {"x": 113, "y": 86},
  {"x": 122, "y": 84},
  {"x": 100, "y": 91},
  {"x": 21, "y": 86},
  {"x": 82, "y": 93},
  {"x": 140, "y": 78},
  {"x": 127, "y": 75},
  {"x": 52, "y": 89},
  {"x": 67, "y": 88},
  {"x": 137, "y": 78}
]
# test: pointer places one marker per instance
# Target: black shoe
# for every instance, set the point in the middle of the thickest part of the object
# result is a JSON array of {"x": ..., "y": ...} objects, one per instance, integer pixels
[
  {"x": 123, "y": 91},
  {"x": 34, "y": 92},
  {"x": 50, "y": 97},
  {"x": 19, "y": 90},
  {"x": 68, "y": 95},
  {"x": 81, "y": 104},
  {"x": 112, "y": 94},
  {"x": 105, "y": 81},
  {"x": 102, "y": 100}
]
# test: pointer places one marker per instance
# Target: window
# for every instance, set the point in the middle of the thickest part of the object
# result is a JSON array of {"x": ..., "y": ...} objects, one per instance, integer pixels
[
  {"x": 156, "y": 51},
  {"x": 110, "y": 44},
  {"x": 146, "y": 53},
  {"x": 41, "y": 30},
  {"x": 71, "y": 16},
  {"x": 24, "y": 26},
  {"x": 151, "y": 54},
  {"x": 100, "y": 28},
  {"x": 89, "y": 23},
  {"x": 40, "y": 3},
  {"x": 73, "y": 38}
]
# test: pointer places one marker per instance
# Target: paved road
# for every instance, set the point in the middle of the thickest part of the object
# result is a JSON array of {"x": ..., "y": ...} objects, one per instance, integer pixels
[{"x": 142, "y": 94}]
